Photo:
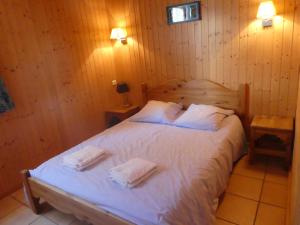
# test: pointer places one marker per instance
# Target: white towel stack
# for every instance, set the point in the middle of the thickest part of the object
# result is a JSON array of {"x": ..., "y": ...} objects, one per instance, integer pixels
[
  {"x": 83, "y": 158},
  {"x": 132, "y": 172}
]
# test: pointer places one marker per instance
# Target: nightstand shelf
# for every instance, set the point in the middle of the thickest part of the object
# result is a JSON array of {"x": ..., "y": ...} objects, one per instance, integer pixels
[
  {"x": 272, "y": 136},
  {"x": 119, "y": 113}
]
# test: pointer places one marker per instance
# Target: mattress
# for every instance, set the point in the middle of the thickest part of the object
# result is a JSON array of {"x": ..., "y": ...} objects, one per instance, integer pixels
[{"x": 193, "y": 170}]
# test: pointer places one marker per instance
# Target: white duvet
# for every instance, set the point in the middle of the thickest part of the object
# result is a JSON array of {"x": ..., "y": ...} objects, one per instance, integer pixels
[{"x": 193, "y": 170}]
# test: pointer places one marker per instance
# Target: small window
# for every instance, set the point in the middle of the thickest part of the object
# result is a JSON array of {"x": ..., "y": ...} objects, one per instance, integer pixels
[{"x": 184, "y": 13}]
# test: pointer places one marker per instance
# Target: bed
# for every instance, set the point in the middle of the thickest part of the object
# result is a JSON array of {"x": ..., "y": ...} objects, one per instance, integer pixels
[{"x": 194, "y": 165}]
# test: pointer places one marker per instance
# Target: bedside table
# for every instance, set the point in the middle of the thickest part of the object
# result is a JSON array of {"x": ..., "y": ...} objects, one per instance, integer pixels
[
  {"x": 119, "y": 113},
  {"x": 272, "y": 136}
]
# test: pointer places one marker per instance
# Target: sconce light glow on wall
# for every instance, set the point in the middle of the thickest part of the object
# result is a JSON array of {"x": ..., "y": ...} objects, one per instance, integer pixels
[
  {"x": 119, "y": 34},
  {"x": 266, "y": 12}
]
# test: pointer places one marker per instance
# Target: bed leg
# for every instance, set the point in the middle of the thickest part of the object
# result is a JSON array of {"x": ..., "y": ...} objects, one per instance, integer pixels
[{"x": 33, "y": 202}]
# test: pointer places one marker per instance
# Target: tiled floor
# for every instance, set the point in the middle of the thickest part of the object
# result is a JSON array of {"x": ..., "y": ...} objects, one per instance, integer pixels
[
  {"x": 13, "y": 211},
  {"x": 256, "y": 195}
]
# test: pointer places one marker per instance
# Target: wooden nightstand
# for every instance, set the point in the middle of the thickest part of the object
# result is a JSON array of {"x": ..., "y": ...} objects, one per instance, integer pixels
[
  {"x": 272, "y": 136},
  {"x": 119, "y": 113}
]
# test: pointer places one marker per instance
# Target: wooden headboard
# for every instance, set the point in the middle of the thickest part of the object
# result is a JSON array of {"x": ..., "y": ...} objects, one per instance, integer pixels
[{"x": 202, "y": 92}]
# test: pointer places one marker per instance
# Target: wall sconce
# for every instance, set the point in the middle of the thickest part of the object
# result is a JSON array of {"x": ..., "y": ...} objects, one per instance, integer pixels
[
  {"x": 119, "y": 34},
  {"x": 266, "y": 12}
]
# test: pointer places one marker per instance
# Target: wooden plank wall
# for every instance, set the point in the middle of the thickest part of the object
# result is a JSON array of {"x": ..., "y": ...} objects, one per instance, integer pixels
[
  {"x": 228, "y": 46},
  {"x": 57, "y": 62}
]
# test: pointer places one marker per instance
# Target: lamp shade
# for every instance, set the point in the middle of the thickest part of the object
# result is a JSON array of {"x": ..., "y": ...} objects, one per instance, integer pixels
[
  {"x": 122, "y": 88},
  {"x": 118, "y": 34},
  {"x": 266, "y": 10}
]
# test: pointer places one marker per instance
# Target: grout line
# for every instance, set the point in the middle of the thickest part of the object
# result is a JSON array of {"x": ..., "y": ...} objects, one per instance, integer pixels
[
  {"x": 226, "y": 220},
  {"x": 237, "y": 195},
  {"x": 260, "y": 196},
  {"x": 248, "y": 176},
  {"x": 11, "y": 211},
  {"x": 270, "y": 204},
  {"x": 47, "y": 218},
  {"x": 34, "y": 220},
  {"x": 242, "y": 175},
  {"x": 21, "y": 202}
]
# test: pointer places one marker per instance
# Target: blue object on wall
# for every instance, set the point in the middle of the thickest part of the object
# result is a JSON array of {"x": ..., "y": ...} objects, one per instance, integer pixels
[{"x": 6, "y": 103}]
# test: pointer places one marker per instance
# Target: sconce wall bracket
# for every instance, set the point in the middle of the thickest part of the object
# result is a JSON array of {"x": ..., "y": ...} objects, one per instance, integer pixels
[
  {"x": 267, "y": 23},
  {"x": 124, "y": 41}
]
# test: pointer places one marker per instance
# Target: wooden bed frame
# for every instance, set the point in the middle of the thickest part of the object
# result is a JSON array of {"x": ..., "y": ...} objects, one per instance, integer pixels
[{"x": 187, "y": 92}]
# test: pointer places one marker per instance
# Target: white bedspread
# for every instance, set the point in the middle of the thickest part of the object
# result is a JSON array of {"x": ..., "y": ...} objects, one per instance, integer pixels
[{"x": 193, "y": 170}]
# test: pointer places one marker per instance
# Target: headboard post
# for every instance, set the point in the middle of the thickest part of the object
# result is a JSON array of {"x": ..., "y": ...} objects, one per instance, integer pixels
[
  {"x": 144, "y": 93},
  {"x": 244, "y": 102}
]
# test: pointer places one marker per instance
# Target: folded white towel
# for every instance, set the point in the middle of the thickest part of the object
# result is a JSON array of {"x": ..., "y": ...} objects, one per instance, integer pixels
[
  {"x": 83, "y": 158},
  {"x": 132, "y": 172}
]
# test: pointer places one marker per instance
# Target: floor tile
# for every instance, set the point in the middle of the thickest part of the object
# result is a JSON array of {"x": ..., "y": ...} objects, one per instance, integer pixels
[
  {"x": 245, "y": 186},
  {"x": 19, "y": 196},
  {"x": 255, "y": 170},
  {"x": 7, "y": 205},
  {"x": 237, "y": 210},
  {"x": 21, "y": 216},
  {"x": 77, "y": 222},
  {"x": 275, "y": 194},
  {"x": 58, "y": 217},
  {"x": 270, "y": 215},
  {"x": 42, "y": 221},
  {"x": 276, "y": 173},
  {"x": 222, "y": 222}
]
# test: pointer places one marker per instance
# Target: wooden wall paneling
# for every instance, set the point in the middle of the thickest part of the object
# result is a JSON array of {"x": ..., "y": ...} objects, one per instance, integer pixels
[
  {"x": 289, "y": 7},
  {"x": 267, "y": 70},
  {"x": 142, "y": 14},
  {"x": 140, "y": 51},
  {"x": 68, "y": 100},
  {"x": 151, "y": 41},
  {"x": 227, "y": 43},
  {"x": 52, "y": 115},
  {"x": 212, "y": 39},
  {"x": 219, "y": 54},
  {"x": 95, "y": 111},
  {"x": 35, "y": 83},
  {"x": 235, "y": 12},
  {"x": 243, "y": 35},
  {"x": 183, "y": 41},
  {"x": 133, "y": 77},
  {"x": 106, "y": 53},
  {"x": 205, "y": 40},
  {"x": 258, "y": 76},
  {"x": 171, "y": 43},
  {"x": 196, "y": 41},
  {"x": 295, "y": 62},
  {"x": 50, "y": 59},
  {"x": 99, "y": 74},
  {"x": 158, "y": 15},
  {"x": 154, "y": 47},
  {"x": 251, "y": 55},
  {"x": 276, "y": 61},
  {"x": 83, "y": 10},
  {"x": 136, "y": 54},
  {"x": 234, "y": 49}
]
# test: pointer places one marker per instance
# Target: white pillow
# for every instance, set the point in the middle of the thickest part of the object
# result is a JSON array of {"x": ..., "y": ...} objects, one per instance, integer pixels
[
  {"x": 158, "y": 112},
  {"x": 202, "y": 117}
]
